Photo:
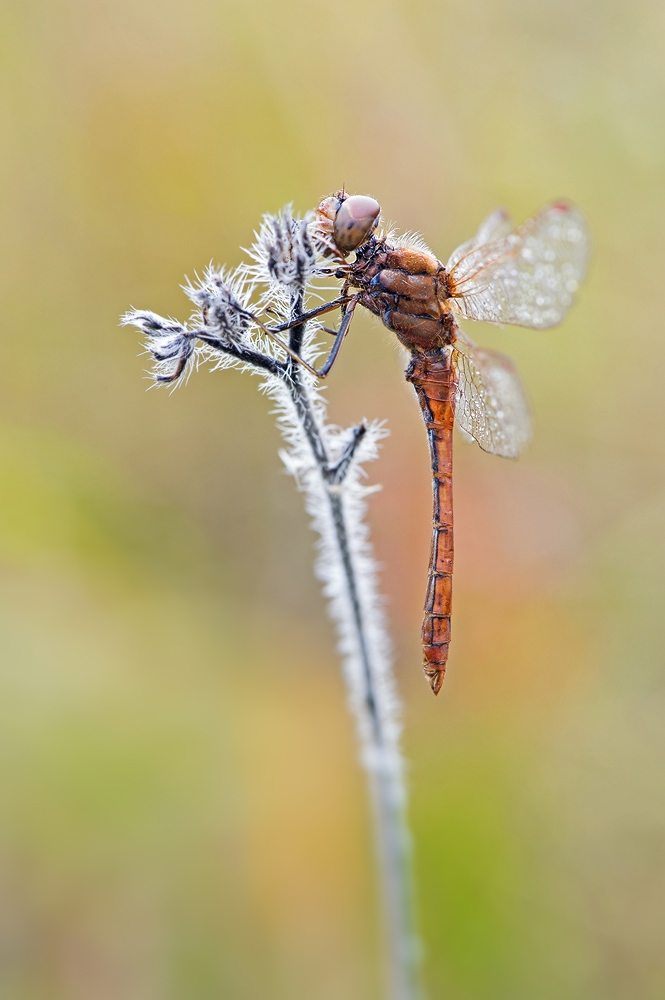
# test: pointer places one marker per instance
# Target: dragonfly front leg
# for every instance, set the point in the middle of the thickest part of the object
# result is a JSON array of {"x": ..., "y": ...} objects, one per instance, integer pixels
[
  {"x": 339, "y": 336},
  {"x": 301, "y": 319},
  {"x": 310, "y": 314}
]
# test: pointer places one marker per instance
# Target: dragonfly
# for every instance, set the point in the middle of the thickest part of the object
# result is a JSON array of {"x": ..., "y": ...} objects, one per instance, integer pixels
[{"x": 525, "y": 276}]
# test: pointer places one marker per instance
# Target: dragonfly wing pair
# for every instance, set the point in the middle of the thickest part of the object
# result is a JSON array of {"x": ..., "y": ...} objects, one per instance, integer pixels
[
  {"x": 526, "y": 277},
  {"x": 489, "y": 400}
]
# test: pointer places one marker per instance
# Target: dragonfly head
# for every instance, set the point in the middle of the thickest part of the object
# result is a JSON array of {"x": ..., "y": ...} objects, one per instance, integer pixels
[{"x": 355, "y": 221}]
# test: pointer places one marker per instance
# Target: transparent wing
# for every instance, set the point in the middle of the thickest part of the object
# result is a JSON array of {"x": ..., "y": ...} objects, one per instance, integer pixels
[
  {"x": 495, "y": 226},
  {"x": 528, "y": 277},
  {"x": 489, "y": 401}
]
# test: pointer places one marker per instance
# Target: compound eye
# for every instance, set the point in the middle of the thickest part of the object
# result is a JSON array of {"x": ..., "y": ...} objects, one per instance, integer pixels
[{"x": 355, "y": 220}]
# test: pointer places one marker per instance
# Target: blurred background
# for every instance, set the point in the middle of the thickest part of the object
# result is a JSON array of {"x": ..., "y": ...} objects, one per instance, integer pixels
[{"x": 181, "y": 812}]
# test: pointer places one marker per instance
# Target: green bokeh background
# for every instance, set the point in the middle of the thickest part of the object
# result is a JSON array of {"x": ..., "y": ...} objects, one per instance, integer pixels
[{"x": 182, "y": 817}]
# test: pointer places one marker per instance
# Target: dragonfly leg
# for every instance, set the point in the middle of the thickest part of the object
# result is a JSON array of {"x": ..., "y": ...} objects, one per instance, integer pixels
[
  {"x": 339, "y": 336},
  {"x": 272, "y": 331},
  {"x": 311, "y": 314}
]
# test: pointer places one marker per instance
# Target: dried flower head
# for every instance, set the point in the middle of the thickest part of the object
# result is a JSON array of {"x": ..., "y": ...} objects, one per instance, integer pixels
[
  {"x": 223, "y": 299},
  {"x": 169, "y": 342},
  {"x": 284, "y": 256}
]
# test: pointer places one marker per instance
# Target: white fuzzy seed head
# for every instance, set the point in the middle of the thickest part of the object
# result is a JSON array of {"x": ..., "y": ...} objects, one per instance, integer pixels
[
  {"x": 283, "y": 254},
  {"x": 168, "y": 341},
  {"x": 223, "y": 299}
]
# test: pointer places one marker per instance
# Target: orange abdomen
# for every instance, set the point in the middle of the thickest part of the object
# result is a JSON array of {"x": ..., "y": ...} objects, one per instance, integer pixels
[{"x": 433, "y": 379}]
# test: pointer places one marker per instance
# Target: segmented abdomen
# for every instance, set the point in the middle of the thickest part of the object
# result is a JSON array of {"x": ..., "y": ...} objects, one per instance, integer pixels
[{"x": 433, "y": 379}]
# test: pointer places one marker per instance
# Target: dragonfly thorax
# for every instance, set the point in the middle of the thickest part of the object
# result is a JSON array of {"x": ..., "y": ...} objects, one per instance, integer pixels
[{"x": 407, "y": 289}]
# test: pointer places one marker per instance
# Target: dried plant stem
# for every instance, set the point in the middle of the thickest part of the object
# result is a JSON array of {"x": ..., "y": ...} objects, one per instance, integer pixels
[
  {"x": 327, "y": 464},
  {"x": 393, "y": 843},
  {"x": 371, "y": 699}
]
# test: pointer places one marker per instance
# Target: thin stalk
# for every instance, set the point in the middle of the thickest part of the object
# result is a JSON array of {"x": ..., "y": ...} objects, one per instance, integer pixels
[
  {"x": 380, "y": 750},
  {"x": 327, "y": 464},
  {"x": 391, "y": 831}
]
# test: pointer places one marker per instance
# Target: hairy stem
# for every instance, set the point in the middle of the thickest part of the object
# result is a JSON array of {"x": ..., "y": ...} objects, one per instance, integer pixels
[
  {"x": 327, "y": 464},
  {"x": 381, "y": 753},
  {"x": 387, "y": 790}
]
